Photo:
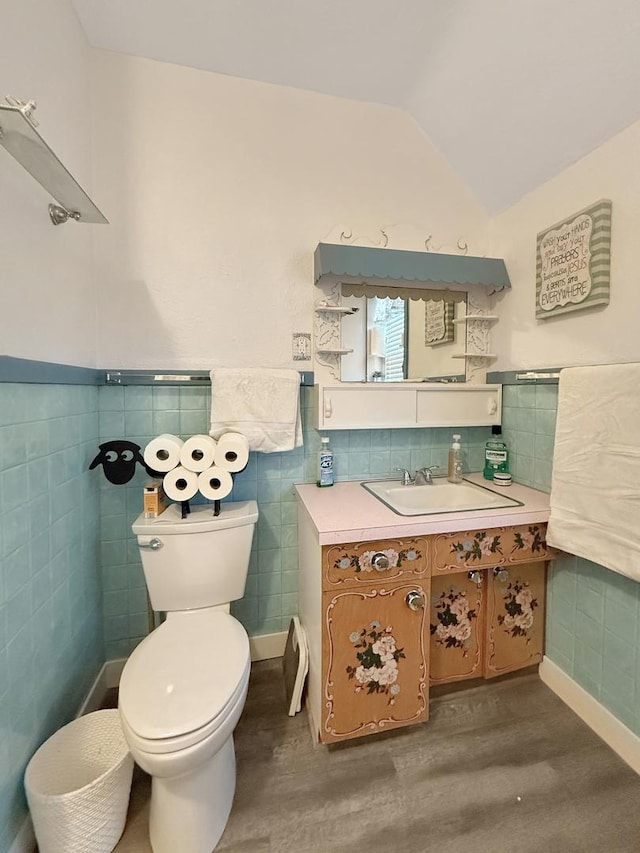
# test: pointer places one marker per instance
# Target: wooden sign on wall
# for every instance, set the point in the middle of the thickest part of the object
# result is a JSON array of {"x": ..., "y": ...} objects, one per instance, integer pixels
[
  {"x": 438, "y": 322},
  {"x": 573, "y": 262}
]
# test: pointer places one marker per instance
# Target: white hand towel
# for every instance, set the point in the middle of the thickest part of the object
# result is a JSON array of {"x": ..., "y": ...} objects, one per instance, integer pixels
[
  {"x": 595, "y": 487},
  {"x": 261, "y": 403}
]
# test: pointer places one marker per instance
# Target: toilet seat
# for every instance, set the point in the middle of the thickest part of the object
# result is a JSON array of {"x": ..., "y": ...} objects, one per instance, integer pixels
[{"x": 183, "y": 680}]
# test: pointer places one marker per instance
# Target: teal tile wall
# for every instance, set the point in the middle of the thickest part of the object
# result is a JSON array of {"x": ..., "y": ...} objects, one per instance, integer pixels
[
  {"x": 51, "y": 630},
  {"x": 140, "y": 413},
  {"x": 593, "y": 626},
  {"x": 528, "y": 428},
  {"x": 593, "y": 614},
  {"x": 70, "y": 571}
]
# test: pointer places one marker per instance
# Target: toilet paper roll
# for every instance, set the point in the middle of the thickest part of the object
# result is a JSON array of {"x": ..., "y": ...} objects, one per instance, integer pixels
[
  {"x": 232, "y": 452},
  {"x": 215, "y": 483},
  {"x": 163, "y": 453},
  {"x": 180, "y": 484},
  {"x": 197, "y": 453}
]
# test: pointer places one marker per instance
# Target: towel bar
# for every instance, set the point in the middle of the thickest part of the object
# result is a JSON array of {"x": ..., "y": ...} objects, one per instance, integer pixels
[
  {"x": 177, "y": 377},
  {"x": 533, "y": 375}
]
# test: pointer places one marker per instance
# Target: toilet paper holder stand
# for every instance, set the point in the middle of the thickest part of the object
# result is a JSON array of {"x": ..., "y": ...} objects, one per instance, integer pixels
[{"x": 186, "y": 509}]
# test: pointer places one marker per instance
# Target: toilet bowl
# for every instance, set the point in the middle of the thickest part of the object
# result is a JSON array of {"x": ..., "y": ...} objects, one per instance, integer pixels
[
  {"x": 181, "y": 694},
  {"x": 183, "y": 688}
]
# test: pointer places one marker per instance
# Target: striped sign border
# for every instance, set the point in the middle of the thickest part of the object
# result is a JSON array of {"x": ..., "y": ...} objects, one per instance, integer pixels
[{"x": 599, "y": 265}]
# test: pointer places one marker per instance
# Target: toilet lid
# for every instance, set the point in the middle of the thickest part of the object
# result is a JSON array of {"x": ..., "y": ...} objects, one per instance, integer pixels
[{"x": 183, "y": 674}]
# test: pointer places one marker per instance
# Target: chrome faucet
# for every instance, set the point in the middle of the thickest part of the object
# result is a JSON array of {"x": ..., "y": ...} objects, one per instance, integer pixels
[
  {"x": 407, "y": 479},
  {"x": 425, "y": 475}
]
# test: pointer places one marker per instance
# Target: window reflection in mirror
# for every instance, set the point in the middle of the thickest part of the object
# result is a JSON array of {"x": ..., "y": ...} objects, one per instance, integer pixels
[{"x": 403, "y": 339}]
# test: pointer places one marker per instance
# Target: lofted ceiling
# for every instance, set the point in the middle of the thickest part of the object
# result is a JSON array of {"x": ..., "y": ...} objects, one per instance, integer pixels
[{"x": 510, "y": 91}]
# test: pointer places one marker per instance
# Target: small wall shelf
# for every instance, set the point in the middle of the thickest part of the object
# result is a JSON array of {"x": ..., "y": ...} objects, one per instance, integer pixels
[
  {"x": 18, "y": 135},
  {"x": 335, "y": 309},
  {"x": 475, "y": 355},
  {"x": 487, "y": 317},
  {"x": 334, "y": 351}
]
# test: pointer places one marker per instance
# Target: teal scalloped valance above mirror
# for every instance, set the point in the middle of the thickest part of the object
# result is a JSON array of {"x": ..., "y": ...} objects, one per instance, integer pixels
[{"x": 375, "y": 271}]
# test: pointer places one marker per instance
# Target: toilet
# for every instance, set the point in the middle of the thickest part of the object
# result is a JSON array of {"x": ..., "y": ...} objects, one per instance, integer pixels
[{"x": 183, "y": 688}]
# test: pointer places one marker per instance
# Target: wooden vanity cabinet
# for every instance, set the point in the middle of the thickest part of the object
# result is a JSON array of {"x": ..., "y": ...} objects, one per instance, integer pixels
[
  {"x": 488, "y": 602},
  {"x": 385, "y": 619}
]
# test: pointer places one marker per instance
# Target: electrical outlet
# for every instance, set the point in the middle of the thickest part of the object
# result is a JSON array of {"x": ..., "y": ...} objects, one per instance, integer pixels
[{"x": 302, "y": 346}]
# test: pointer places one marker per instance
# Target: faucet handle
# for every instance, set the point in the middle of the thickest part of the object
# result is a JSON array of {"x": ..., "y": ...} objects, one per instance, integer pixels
[
  {"x": 426, "y": 473},
  {"x": 407, "y": 479}
]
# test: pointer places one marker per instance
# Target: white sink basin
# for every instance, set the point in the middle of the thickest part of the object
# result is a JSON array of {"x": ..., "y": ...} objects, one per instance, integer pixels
[{"x": 437, "y": 497}]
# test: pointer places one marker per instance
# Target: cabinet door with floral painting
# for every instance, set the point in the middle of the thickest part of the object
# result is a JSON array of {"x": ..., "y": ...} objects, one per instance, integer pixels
[
  {"x": 515, "y": 617},
  {"x": 375, "y": 659},
  {"x": 457, "y": 627}
]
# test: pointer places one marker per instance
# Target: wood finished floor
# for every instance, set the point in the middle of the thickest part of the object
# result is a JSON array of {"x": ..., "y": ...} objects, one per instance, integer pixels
[{"x": 501, "y": 767}]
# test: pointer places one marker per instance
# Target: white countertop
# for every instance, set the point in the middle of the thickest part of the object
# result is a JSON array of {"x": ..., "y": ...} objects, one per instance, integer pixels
[{"x": 346, "y": 512}]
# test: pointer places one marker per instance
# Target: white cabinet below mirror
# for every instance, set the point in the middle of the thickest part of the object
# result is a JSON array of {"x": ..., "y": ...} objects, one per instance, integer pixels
[{"x": 391, "y": 405}]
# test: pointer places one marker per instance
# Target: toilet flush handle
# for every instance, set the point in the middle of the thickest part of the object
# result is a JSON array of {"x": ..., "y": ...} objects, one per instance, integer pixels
[{"x": 152, "y": 545}]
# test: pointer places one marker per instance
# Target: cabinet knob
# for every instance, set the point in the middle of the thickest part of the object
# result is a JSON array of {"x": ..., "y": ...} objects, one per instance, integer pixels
[
  {"x": 415, "y": 600},
  {"x": 500, "y": 574},
  {"x": 380, "y": 562},
  {"x": 475, "y": 577}
]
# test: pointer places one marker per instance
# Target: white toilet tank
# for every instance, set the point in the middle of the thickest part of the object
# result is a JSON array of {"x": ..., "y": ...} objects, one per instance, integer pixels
[{"x": 199, "y": 561}]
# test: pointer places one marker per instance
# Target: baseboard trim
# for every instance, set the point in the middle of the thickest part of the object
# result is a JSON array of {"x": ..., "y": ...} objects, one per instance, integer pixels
[
  {"x": 25, "y": 840},
  {"x": 268, "y": 646},
  {"x": 95, "y": 697},
  {"x": 113, "y": 671},
  {"x": 605, "y": 724}
]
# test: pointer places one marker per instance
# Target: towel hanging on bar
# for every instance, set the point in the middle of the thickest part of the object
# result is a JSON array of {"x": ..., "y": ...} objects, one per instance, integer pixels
[
  {"x": 594, "y": 502},
  {"x": 260, "y": 403}
]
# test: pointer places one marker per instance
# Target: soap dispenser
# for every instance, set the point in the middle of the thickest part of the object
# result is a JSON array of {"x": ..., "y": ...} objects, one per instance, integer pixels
[{"x": 455, "y": 461}]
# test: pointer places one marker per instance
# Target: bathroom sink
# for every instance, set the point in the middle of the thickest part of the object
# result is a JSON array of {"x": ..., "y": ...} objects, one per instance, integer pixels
[{"x": 437, "y": 497}]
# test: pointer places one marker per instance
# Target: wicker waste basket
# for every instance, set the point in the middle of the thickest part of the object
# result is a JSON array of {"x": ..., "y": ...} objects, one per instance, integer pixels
[{"x": 78, "y": 785}]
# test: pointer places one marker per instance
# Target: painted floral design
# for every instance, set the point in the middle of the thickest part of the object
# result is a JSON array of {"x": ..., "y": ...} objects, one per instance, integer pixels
[
  {"x": 519, "y": 605},
  {"x": 363, "y": 562},
  {"x": 475, "y": 549},
  {"x": 378, "y": 656},
  {"x": 454, "y": 615},
  {"x": 532, "y": 540}
]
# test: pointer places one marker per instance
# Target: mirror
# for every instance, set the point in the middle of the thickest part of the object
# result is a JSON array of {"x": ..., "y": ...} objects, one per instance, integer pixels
[{"x": 403, "y": 339}]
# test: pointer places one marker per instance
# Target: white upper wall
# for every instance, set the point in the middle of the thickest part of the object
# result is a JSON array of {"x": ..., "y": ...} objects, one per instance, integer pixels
[
  {"x": 46, "y": 281},
  {"x": 597, "y": 336},
  {"x": 510, "y": 91},
  {"x": 219, "y": 189}
]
